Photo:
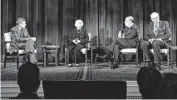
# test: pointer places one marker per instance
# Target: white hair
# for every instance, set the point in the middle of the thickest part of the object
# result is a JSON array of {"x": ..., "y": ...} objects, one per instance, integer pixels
[
  {"x": 154, "y": 14},
  {"x": 79, "y": 21},
  {"x": 130, "y": 18}
]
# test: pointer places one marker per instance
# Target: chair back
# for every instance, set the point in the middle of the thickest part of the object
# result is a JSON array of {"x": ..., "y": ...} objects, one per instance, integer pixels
[
  {"x": 90, "y": 36},
  {"x": 7, "y": 39},
  {"x": 83, "y": 50},
  {"x": 84, "y": 89}
]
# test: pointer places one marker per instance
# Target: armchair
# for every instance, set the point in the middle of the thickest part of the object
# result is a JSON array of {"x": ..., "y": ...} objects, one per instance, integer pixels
[
  {"x": 17, "y": 52},
  {"x": 129, "y": 51},
  {"x": 165, "y": 51},
  {"x": 83, "y": 50}
]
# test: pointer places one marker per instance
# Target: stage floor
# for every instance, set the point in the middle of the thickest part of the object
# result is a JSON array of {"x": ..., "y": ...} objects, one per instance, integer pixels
[{"x": 127, "y": 71}]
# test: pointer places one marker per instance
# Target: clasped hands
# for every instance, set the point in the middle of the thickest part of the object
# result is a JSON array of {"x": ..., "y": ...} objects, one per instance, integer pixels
[
  {"x": 76, "y": 41},
  {"x": 33, "y": 38},
  {"x": 151, "y": 40}
]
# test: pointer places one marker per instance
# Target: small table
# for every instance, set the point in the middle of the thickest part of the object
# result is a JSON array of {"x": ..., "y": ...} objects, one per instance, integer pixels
[
  {"x": 172, "y": 48},
  {"x": 50, "y": 48},
  {"x": 93, "y": 48}
]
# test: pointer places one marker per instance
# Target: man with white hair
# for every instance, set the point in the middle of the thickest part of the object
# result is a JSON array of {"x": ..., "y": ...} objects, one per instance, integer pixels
[
  {"x": 76, "y": 41},
  {"x": 127, "y": 38},
  {"x": 156, "y": 37}
]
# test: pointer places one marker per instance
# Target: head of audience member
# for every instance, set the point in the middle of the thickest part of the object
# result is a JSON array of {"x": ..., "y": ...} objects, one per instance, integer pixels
[
  {"x": 21, "y": 22},
  {"x": 129, "y": 21},
  {"x": 170, "y": 76},
  {"x": 28, "y": 80},
  {"x": 148, "y": 80},
  {"x": 79, "y": 24},
  {"x": 168, "y": 87},
  {"x": 155, "y": 17}
]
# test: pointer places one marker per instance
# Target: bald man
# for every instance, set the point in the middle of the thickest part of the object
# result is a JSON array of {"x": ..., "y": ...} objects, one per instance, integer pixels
[
  {"x": 127, "y": 38},
  {"x": 156, "y": 37}
]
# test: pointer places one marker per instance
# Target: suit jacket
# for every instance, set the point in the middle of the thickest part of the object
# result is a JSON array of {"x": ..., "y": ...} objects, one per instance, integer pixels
[
  {"x": 163, "y": 32},
  {"x": 18, "y": 37},
  {"x": 82, "y": 36},
  {"x": 132, "y": 32}
]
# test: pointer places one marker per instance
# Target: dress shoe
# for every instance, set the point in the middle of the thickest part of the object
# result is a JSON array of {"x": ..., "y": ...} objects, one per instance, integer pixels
[
  {"x": 69, "y": 65},
  {"x": 115, "y": 65},
  {"x": 77, "y": 65}
]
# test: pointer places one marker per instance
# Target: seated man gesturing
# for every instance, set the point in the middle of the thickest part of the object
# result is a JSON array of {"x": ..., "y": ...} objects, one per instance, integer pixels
[
  {"x": 22, "y": 40},
  {"x": 127, "y": 38}
]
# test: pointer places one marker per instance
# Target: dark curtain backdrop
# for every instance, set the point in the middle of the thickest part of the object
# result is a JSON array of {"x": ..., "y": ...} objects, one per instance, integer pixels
[{"x": 50, "y": 20}]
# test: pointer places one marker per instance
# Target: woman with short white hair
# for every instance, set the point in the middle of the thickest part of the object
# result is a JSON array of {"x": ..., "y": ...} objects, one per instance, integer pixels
[{"x": 76, "y": 41}]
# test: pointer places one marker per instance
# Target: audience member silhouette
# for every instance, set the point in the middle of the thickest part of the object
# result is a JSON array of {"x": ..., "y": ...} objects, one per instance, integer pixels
[
  {"x": 168, "y": 87},
  {"x": 148, "y": 80},
  {"x": 28, "y": 81}
]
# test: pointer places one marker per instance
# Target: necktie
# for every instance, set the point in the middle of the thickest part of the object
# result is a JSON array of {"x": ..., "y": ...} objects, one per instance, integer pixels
[{"x": 155, "y": 28}]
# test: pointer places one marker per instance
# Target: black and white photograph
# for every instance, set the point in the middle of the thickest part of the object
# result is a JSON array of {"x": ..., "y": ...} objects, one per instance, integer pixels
[{"x": 88, "y": 49}]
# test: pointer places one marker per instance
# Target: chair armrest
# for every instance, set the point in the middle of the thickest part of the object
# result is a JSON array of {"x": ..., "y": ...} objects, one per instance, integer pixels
[{"x": 9, "y": 42}]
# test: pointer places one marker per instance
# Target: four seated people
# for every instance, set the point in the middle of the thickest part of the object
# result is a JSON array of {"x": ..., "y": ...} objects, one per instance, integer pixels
[{"x": 156, "y": 37}]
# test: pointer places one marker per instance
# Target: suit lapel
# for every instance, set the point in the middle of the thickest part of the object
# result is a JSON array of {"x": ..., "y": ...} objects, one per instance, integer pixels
[
  {"x": 152, "y": 27},
  {"x": 160, "y": 24}
]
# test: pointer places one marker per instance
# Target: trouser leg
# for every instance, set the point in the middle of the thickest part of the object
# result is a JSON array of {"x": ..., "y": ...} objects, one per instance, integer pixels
[
  {"x": 157, "y": 45},
  {"x": 30, "y": 46},
  {"x": 78, "y": 52},
  {"x": 145, "y": 46}
]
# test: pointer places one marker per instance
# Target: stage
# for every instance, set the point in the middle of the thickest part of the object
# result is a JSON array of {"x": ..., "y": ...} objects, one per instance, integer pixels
[{"x": 127, "y": 72}]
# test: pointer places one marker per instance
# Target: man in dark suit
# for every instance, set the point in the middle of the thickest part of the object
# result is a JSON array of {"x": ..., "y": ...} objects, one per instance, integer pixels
[
  {"x": 127, "y": 38},
  {"x": 28, "y": 81},
  {"x": 22, "y": 40},
  {"x": 76, "y": 41},
  {"x": 156, "y": 37}
]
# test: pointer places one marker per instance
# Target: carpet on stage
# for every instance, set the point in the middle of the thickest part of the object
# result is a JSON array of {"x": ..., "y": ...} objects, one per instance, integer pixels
[{"x": 127, "y": 71}]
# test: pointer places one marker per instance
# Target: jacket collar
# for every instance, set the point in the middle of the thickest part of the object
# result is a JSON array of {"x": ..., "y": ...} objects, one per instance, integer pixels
[{"x": 152, "y": 24}]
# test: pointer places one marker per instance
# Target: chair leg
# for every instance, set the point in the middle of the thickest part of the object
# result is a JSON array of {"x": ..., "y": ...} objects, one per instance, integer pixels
[
  {"x": 17, "y": 60},
  {"x": 168, "y": 62},
  {"x": 86, "y": 58},
  {"x": 56, "y": 58},
  {"x": 143, "y": 59},
  {"x": 137, "y": 58},
  {"x": 91, "y": 56},
  {"x": 65, "y": 57},
  {"x": 96, "y": 59},
  {"x": 45, "y": 57},
  {"x": 75, "y": 56},
  {"x": 171, "y": 58},
  {"x": 5, "y": 59}
]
